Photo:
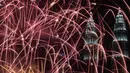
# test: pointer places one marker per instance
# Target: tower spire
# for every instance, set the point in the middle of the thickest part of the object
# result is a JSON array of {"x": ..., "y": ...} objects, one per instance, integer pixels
[
  {"x": 120, "y": 27},
  {"x": 91, "y": 53},
  {"x": 91, "y": 17},
  {"x": 119, "y": 11},
  {"x": 90, "y": 33},
  {"x": 119, "y": 17},
  {"x": 120, "y": 43}
]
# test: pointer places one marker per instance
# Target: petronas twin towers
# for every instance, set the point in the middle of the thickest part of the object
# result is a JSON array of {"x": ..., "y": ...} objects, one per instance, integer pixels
[{"x": 94, "y": 51}]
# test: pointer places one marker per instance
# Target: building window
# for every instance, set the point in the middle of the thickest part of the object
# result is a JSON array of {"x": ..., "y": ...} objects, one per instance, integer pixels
[{"x": 120, "y": 20}]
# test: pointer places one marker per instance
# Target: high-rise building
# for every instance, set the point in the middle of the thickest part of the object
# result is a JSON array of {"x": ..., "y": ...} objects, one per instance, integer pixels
[
  {"x": 119, "y": 45},
  {"x": 91, "y": 52}
]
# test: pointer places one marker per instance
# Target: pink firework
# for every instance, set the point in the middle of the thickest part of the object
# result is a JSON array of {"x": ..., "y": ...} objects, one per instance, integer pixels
[{"x": 56, "y": 36}]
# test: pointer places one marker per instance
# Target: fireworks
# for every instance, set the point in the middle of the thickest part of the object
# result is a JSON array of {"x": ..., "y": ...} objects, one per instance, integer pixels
[{"x": 50, "y": 38}]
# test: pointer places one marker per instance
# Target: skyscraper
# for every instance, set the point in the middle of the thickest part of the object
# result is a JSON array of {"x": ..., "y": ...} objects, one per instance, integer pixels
[
  {"x": 119, "y": 45},
  {"x": 92, "y": 49}
]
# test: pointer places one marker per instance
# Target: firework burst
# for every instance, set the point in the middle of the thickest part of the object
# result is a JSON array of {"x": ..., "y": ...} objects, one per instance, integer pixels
[{"x": 47, "y": 37}]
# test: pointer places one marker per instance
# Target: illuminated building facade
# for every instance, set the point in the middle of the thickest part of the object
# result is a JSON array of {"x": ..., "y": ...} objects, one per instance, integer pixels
[
  {"x": 120, "y": 45},
  {"x": 92, "y": 50}
]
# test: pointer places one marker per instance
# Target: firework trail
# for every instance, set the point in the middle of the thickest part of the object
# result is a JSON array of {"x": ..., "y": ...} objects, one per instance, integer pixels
[{"x": 49, "y": 39}]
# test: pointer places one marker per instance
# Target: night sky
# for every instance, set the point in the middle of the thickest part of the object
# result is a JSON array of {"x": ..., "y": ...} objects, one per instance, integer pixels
[
  {"x": 99, "y": 11},
  {"x": 109, "y": 19},
  {"x": 100, "y": 15},
  {"x": 101, "y": 8}
]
